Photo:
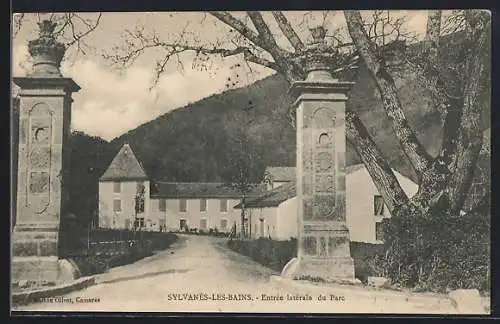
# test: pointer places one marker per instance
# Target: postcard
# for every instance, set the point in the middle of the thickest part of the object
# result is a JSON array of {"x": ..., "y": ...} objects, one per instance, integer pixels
[{"x": 317, "y": 162}]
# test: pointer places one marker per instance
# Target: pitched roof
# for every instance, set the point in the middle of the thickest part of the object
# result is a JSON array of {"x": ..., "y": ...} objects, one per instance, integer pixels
[
  {"x": 125, "y": 166},
  {"x": 281, "y": 174},
  {"x": 272, "y": 198},
  {"x": 196, "y": 190}
]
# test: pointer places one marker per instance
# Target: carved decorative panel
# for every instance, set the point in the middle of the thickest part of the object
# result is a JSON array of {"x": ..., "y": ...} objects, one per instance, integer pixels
[
  {"x": 324, "y": 162},
  {"x": 332, "y": 243},
  {"x": 39, "y": 182},
  {"x": 41, "y": 134},
  {"x": 323, "y": 118},
  {"x": 310, "y": 245},
  {"x": 325, "y": 140},
  {"x": 324, "y": 207},
  {"x": 325, "y": 183},
  {"x": 323, "y": 246},
  {"x": 40, "y": 157},
  {"x": 307, "y": 210}
]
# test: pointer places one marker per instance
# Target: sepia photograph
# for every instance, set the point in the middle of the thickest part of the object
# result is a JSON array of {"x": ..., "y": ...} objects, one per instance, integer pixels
[{"x": 262, "y": 162}]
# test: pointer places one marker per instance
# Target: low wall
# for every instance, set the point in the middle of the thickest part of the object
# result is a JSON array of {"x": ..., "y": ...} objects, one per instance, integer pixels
[{"x": 108, "y": 253}]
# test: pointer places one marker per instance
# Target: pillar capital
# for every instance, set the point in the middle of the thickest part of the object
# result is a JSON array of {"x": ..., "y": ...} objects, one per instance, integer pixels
[
  {"x": 46, "y": 52},
  {"x": 34, "y": 83}
]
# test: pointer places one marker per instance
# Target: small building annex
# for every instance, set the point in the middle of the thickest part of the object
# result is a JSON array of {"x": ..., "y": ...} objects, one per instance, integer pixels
[{"x": 274, "y": 214}]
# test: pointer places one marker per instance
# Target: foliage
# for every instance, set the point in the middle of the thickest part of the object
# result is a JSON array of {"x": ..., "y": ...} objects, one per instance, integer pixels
[
  {"x": 363, "y": 255},
  {"x": 439, "y": 252},
  {"x": 273, "y": 254},
  {"x": 276, "y": 254},
  {"x": 103, "y": 256}
]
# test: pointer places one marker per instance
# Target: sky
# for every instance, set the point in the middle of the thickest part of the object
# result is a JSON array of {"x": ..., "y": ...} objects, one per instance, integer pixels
[{"x": 112, "y": 102}]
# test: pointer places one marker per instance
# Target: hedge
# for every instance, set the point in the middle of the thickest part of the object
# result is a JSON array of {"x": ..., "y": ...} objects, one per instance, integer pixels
[
  {"x": 276, "y": 254},
  {"x": 108, "y": 253}
]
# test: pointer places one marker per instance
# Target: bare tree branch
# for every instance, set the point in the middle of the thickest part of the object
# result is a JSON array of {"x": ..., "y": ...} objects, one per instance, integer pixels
[
  {"x": 138, "y": 43},
  {"x": 414, "y": 150},
  {"x": 239, "y": 26},
  {"x": 77, "y": 37},
  {"x": 288, "y": 30},
  {"x": 17, "y": 23},
  {"x": 265, "y": 35},
  {"x": 376, "y": 164},
  {"x": 431, "y": 42}
]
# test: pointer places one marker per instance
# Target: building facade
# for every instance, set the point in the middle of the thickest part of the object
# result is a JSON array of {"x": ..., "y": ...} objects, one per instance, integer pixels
[
  {"x": 274, "y": 214},
  {"x": 129, "y": 199}
]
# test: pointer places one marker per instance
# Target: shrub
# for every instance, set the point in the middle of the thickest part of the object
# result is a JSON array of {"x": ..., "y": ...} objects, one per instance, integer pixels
[
  {"x": 273, "y": 254},
  {"x": 364, "y": 255},
  {"x": 105, "y": 256},
  {"x": 437, "y": 252}
]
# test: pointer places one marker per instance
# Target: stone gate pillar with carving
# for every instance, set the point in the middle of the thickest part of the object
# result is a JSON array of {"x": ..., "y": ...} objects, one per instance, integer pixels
[
  {"x": 44, "y": 126},
  {"x": 323, "y": 238}
]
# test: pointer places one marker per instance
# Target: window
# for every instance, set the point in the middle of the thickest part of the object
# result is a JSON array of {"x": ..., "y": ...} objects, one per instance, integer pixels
[
  {"x": 203, "y": 224},
  {"x": 223, "y": 205},
  {"x": 223, "y": 224},
  {"x": 379, "y": 231},
  {"x": 139, "y": 204},
  {"x": 378, "y": 205},
  {"x": 183, "y": 205},
  {"x": 162, "y": 205},
  {"x": 117, "y": 205},
  {"x": 261, "y": 228},
  {"x": 203, "y": 205},
  {"x": 117, "y": 187},
  {"x": 139, "y": 223}
]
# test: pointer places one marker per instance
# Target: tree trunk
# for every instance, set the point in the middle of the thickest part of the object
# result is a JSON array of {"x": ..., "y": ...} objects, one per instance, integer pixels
[{"x": 243, "y": 233}]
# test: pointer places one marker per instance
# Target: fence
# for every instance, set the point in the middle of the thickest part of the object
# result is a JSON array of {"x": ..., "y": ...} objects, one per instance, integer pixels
[
  {"x": 84, "y": 242},
  {"x": 106, "y": 248}
]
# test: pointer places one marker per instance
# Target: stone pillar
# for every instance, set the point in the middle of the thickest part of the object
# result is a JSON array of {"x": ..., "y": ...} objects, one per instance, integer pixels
[
  {"x": 323, "y": 238},
  {"x": 44, "y": 127}
]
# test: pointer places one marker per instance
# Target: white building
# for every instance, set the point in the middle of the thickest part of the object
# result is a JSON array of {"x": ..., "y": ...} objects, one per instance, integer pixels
[
  {"x": 128, "y": 199},
  {"x": 274, "y": 213}
]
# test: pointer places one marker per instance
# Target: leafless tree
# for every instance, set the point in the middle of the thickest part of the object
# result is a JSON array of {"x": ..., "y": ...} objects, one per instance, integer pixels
[
  {"x": 446, "y": 177},
  {"x": 72, "y": 27}
]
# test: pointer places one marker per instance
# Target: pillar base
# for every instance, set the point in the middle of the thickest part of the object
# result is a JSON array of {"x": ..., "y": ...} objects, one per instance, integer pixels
[
  {"x": 35, "y": 260},
  {"x": 332, "y": 269},
  {"x": 33, "y": 271}
]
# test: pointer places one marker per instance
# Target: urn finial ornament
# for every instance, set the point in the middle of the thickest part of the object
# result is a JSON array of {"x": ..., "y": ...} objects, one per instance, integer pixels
[
  {"x": 46, "y": 52},
  {"x": 318, "y": 34},
  {"x": 320, "y": 57}
]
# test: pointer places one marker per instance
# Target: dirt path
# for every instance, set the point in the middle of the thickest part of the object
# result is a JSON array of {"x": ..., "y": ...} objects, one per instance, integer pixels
[{"x": 200, "y": 274}]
